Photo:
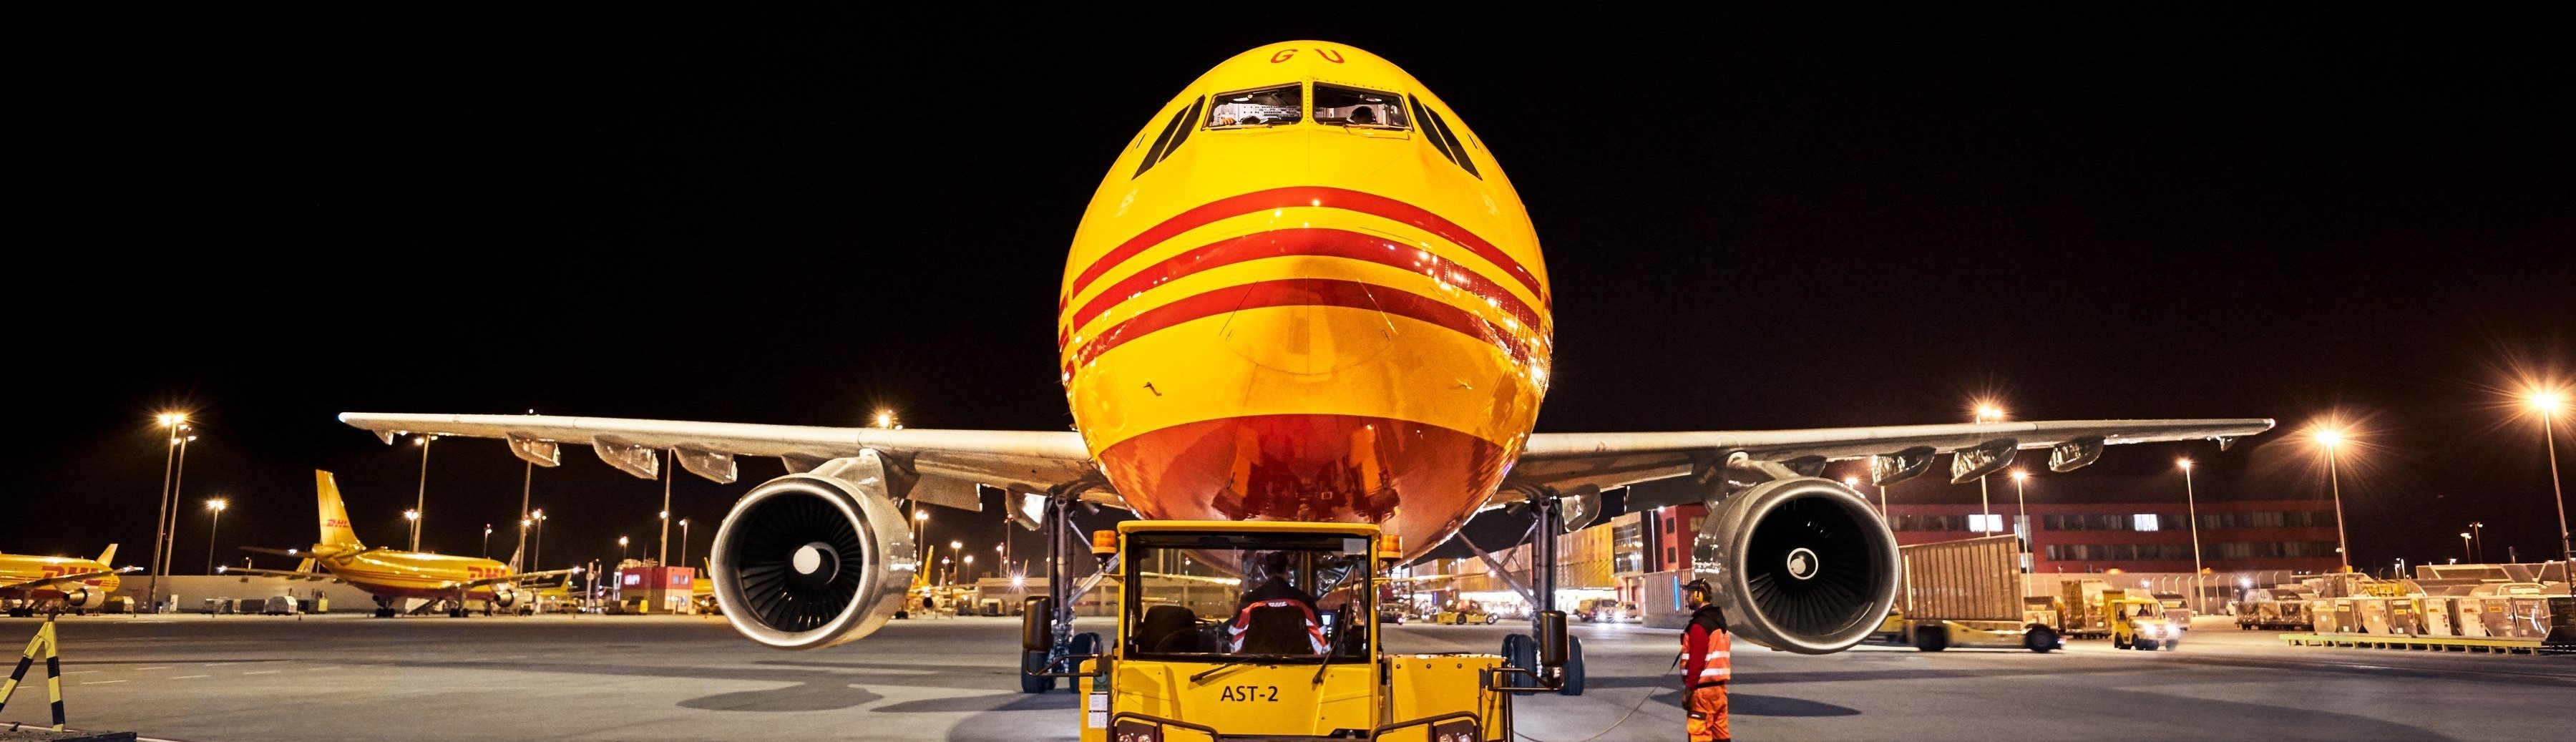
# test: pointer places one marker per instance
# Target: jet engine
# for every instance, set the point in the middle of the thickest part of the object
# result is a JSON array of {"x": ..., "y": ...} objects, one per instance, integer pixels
[
  {"x": 1799, "y": 564},
  {"x": 83, "y": 598},
  {"x": 504, "y": 596},
  {"x": 810, "y": 560}
]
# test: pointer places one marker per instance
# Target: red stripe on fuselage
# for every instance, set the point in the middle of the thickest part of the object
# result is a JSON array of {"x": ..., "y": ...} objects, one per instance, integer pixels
[
  {"x": 1280, "y": 198},
  {"x": 1299, "y": 292},
  {"x": 1304, "y": 242}
]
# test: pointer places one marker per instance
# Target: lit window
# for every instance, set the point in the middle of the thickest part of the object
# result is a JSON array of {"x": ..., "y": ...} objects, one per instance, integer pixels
[
  {"x": 2143, "y": 522},
  {"x": 1985, "y": 523},
  {"x": 1285, "y": 104}
]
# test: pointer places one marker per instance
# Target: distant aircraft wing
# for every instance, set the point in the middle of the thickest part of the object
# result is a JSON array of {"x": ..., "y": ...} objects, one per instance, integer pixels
[
  {"x": 64, "y": 579},
  {"x": 471, "y": 584},
  {"x": 1606, "y": 460},
  {"x": 941, "y": 467},
  {"x": 289, "y": 574}
]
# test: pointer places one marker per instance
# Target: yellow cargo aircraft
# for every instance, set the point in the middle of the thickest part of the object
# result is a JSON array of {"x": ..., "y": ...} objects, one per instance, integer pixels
[
  {"x": 392, "y": 575},
  {"x": 1306, "y": 292},
  {"x": 28, "y": 583}
]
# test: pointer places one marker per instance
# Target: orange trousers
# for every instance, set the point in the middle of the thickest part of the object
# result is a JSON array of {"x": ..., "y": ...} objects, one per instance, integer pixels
[{"x": 1707, "y": 708}]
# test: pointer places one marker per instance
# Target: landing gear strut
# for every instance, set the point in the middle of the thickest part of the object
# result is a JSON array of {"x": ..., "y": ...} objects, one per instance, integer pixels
[{"x": 1568, "y": 680}]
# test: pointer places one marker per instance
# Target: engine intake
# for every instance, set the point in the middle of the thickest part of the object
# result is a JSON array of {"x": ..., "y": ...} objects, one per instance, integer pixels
[
  {"x": 83, "y": 597},
  {"x": 811, "y": 560},
  {"x": 1800, "y": 564}
]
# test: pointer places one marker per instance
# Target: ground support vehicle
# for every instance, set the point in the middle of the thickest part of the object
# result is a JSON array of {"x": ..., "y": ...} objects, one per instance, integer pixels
[
  {"x": 1260, "y": 663},
  {"x": 2140, "y": 623},
  {"x": 1964, "y": 593}
]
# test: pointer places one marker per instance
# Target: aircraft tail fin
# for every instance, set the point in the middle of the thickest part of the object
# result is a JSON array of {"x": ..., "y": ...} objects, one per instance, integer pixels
[
  {"x": 335, "y": 515},
  {"x": 514, "y": 561},
  {"x": 108, "y": 557},
  {"x": 305, "y": 566}
]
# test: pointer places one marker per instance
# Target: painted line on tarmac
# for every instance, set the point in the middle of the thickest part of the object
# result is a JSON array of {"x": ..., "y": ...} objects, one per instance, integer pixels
[
  {"x": 162, "y": 667},
  {"x": 191, "y": 677},
  {"x": 263, "y": 672},
  {"x": 101, "y": 682}
]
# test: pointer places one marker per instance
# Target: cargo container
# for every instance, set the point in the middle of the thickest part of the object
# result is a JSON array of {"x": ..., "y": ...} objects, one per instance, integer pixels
[{"x": 1965, "y": 593}]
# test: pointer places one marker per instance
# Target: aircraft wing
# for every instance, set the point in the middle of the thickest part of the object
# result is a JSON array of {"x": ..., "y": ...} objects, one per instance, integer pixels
[
  {"x": 470, "y": 584},
  {"x": 936, "y": 466},
  {"x": 1606, "y": 460},
  {"x": 64, "y": 579},
  {"x": 289, "y": 574}
]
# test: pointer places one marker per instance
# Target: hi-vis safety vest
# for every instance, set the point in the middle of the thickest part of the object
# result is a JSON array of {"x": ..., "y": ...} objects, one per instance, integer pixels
[
  {"x": 1242, "y": 624},
  {"x": 1707, "y": 650}
]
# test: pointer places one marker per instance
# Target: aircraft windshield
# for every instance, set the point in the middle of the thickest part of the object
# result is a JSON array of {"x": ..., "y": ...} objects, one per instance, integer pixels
[
  {"x": 1253, "y": 596},
  {"x": 1355, "y": 107},
  {"x": 1285, "y": 104}
]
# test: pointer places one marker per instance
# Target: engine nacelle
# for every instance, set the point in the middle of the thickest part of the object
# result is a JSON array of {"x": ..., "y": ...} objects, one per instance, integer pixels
[
  {"x": 83, "y": 598},
  {"x": 810, "y": 560},
  {"x": 504, "y": 596},
  {"x": 1800, "y": 564}
]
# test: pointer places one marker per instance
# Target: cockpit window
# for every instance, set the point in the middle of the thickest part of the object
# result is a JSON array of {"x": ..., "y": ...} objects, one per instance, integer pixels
[
  {"x": 1285, "y": 104},
  {"x": 1341, "y": 106}
]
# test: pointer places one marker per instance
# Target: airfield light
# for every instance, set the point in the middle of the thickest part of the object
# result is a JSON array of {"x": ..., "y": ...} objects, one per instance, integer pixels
[
  {"x": 621, "y": 541},
  {"x": 1989, "y": 412},
  {"x": 2549, "y": 402},
  {"x": 666, "y": 515},
  {"x": 411, "y": 515},
  {"x": 885, "y": 419},
  {"x": 2330, "y": 439},
  {"x": 216, "y": 505},
  {"x": 953, "y": 546}
]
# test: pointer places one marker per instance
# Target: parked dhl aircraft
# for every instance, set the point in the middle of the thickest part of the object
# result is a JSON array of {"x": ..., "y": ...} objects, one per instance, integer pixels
[
  {"x": 1305, "y": 291},
  {"x": 32, "y": 583},
  {"x": 391, "y": 575}
]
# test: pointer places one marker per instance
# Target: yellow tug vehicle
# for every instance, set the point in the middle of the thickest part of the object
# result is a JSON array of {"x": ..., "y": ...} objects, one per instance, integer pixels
[{"x": 1293, "y": 651}]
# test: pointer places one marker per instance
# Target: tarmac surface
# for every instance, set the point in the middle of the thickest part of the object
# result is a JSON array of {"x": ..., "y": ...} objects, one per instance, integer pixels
[{"x": 347, "y": 677}]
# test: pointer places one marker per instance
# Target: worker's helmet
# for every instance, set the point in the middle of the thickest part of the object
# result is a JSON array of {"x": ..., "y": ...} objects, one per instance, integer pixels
[{"x": 1699, "y": 592}]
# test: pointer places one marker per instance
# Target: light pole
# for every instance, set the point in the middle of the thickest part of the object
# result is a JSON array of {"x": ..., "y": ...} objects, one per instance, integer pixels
[
  {"x": 527, "y": 485},
  {"x": 2191, "y": 505},
  {"x": 1987, "y": 412},
  {"x": 2465, "y": 553},
  {"x": 487, "y": 540},
  {"x": 684, "y": 542},
  {"x": 214, "y": 523},
  {"x": 969, "y": 569},
  {"x": 537, "y": 554},
  {"x": 954, "y": 547},
  {"x": 662, "y": 552},
  {"x": 525, "y": 523},
  {"x": 168, "y": 553},
  {"x": 2478, "y": 545},
  {"x": 175, "y": 426},
  {"x": 2548, "y": 401},
  {"x": 2332, "y": 439},
  {"x": 920, "y": 521},
  {"x": 944, "y": 573},
  {"x": 621, "y": 551},
  {"x": 2025, "y": 529},
  {"x": 420, "y": 502}
]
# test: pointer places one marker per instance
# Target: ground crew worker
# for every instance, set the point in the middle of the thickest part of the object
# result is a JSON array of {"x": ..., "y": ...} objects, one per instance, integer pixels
[{"x": 1706, "y": 666}]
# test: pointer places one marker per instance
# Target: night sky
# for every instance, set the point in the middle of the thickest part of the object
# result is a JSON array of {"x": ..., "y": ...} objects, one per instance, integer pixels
[{"x": 1751, "y": 222}]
